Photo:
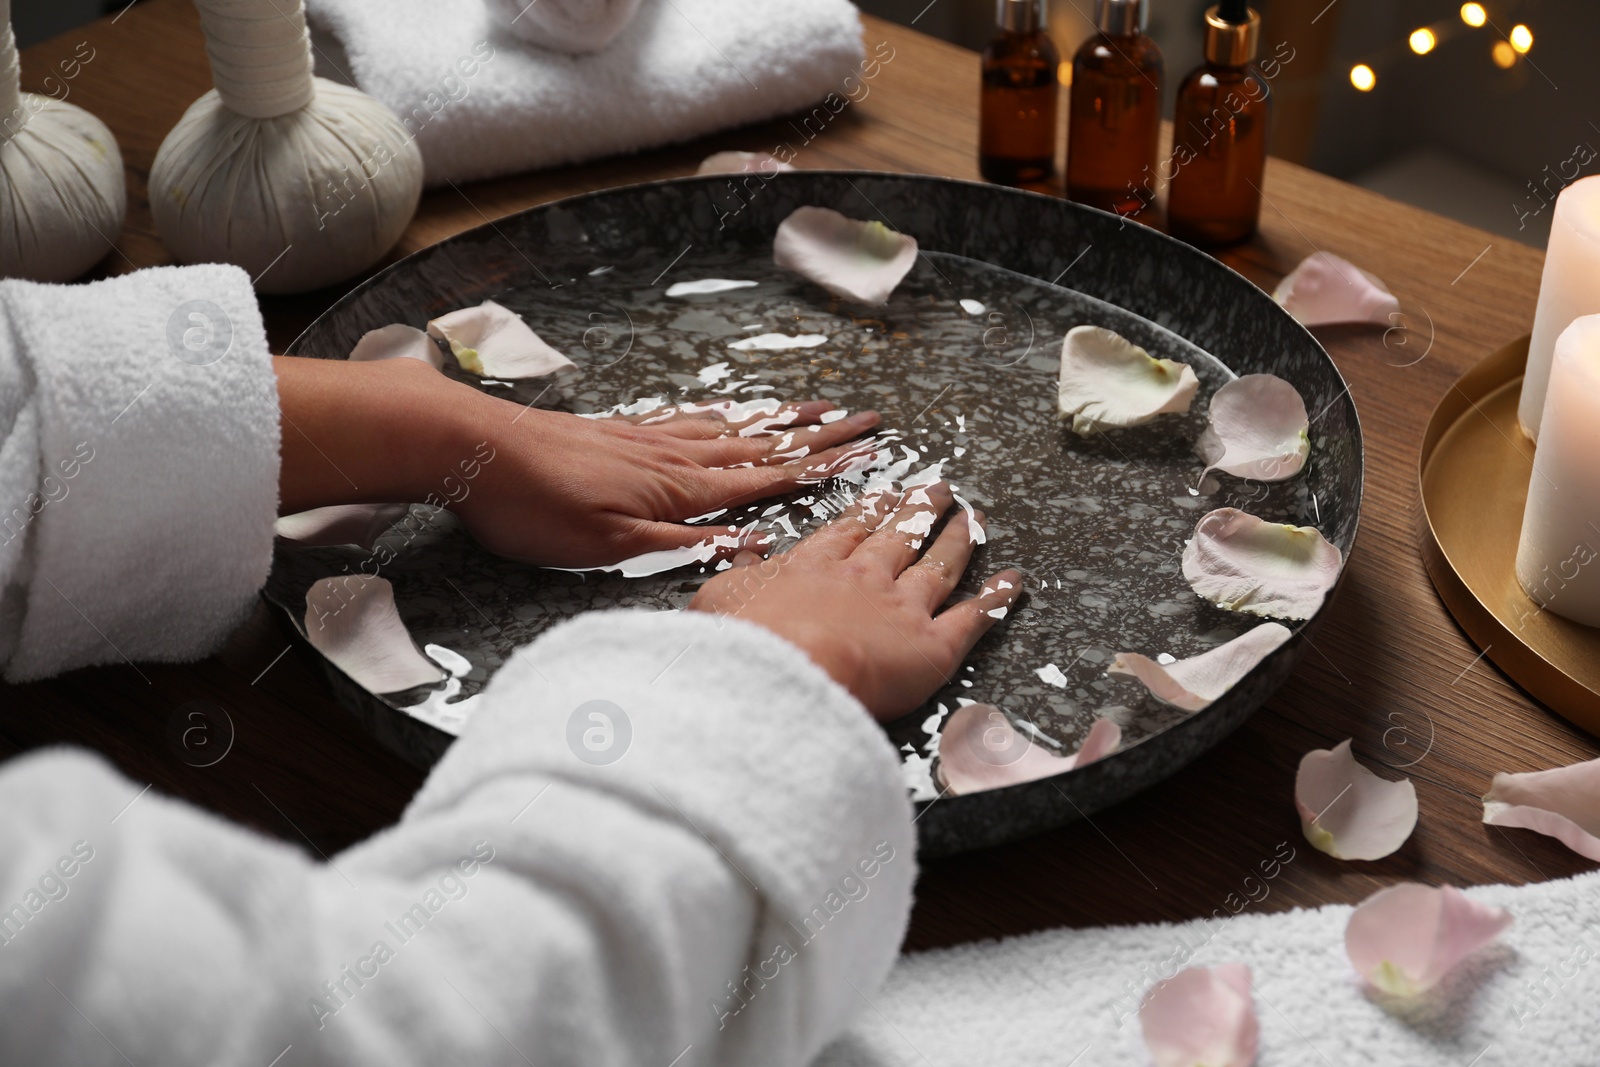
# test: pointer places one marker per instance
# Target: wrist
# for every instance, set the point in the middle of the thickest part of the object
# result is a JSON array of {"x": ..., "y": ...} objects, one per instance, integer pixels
[
  {"x": 431, "y": 434},
  {"x": 391, "y": 431}
]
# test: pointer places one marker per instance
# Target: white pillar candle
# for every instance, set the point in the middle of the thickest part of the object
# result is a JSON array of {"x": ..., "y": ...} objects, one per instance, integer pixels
[
  {"x": 1558, "y": 561},
  {"x": 1570, "y": 288}
]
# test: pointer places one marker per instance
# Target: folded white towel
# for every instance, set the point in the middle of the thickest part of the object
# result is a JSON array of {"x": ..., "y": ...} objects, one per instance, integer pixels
[
  {"x": 576, "y": 26},
  {"x": 1072, "y": 996},
  {"x": 481, "y": 103}
]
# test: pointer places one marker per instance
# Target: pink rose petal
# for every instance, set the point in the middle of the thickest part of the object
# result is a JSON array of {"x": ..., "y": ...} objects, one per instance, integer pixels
[
  {"x": 353, "y": 621},
  {"x": 344, "y": 524},
  {"x": 1197, "y": 682},
  {"x": 1258, "y": 429},
  {"x": 1563, "y": 803},
  {"x": 492, "y": 341},
  {"x": 861, "y": 261},
  {"x": 743, "y": 163},
  {"x": 397, "y": 341},
  {"x": 1202, "y": 1017},
  {"x": 1405, "y": 938},
  {"x": 979, "y": 749},
  {"x": 1107, "y": 382},
  {"x": 1349, "y": 812},
  {"x": 1242, "y": 563},
  {"x": 1325, "y": 289}
]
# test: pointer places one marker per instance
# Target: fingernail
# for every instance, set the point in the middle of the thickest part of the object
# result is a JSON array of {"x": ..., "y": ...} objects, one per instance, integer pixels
[{"x": 811, "y": 408}]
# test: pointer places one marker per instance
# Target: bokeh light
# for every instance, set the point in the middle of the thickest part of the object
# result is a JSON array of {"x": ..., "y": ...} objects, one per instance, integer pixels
[
  {"x": 1505, "y": 57},
  {"x": 1474, "y": 15},
  {"x": 1521, "y": 38},
  {"x": 1422, "y": 41},
  {"x": 1362, "y": 77}
]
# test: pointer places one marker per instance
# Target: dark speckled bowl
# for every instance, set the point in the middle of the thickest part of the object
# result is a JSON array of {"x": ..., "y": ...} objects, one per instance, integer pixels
[{"x": 1096, "y": 525}]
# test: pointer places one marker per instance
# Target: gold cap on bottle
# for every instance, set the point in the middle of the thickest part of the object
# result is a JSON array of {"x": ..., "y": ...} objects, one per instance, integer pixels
[
  {"x": 1021, "y": 16},
  {"x": 1121, "y": 18},
  {"x": 1231, "y": 44}
]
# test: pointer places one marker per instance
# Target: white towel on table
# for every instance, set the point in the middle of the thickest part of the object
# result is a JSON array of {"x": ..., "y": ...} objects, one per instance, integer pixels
[
  {"x": 1049, "y": 997},
  {"x": 575, "y": 26},
  {"x": 482, "y": 103}
]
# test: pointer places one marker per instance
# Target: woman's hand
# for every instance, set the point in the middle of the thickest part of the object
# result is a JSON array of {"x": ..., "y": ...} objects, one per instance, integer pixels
[
  {"x": 569, "y": 491},
  {"x": 862, "y": 598},
  {"x": 541, "y": 486}
]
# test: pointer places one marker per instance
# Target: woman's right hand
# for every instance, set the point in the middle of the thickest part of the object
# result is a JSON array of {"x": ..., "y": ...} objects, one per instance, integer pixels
[{"x": 862, "y": 598}]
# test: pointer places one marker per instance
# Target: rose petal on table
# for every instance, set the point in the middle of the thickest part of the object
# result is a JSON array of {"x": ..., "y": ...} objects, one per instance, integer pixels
[
  {"x": 343, "y": 524},
  {"x": 1349, "y": 812},
  {"x": 1108, "y": 381},
  {"x": 1196, "y": 682},
  {"x": 1202, "y": 1017},
  {"x": 861, "y": 261},
  {"x": 353, "y": 621},
  {"x": 492, "y": 341},
  {"x": 1563, "y": 803},
  {"x": 1405, "y": 938},
  {"x": 1242, "y": 563},
  {"x": 397, "y": 341},
  {"x": 979, "y": 749},
  {"x": 742, "y": 163},
  {"x": 1258, "y": 429},
  {"x": 1325, "y": 289}
]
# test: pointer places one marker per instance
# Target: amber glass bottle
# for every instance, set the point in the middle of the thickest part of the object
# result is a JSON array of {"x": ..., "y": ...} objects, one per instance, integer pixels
[
  {"x": 1220, "y": 134},
  {"x": 1020, "y": 95},
  {"x": 1114, "y": 119}
]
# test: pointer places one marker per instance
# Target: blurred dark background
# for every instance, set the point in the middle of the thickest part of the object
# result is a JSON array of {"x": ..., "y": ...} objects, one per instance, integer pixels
[
  {"x": 1485, "y": 126},
  {"x": 1463, "y": 129}
]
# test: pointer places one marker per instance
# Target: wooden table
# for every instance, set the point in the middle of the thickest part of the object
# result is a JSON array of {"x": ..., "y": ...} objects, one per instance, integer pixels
[{"x": 1390, "y": 668}]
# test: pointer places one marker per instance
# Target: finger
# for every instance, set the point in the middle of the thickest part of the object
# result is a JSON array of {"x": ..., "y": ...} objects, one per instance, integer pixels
[
  {"x": 854, "y": 525},
  {"x": 899, "y": 541},
  {"x": 936, "y": 575},
  {"x": 746, "y": 558},
  {"x": 734, "y": 416},
  {"x": 964, "y": 623},
  {"x": 786, "y": 446},
  {"x": 803, "y": 413},
  {"x": 654, "y": 417},
  {"x": 699, "y": 544},
  {"x": 693, "y": 428},
  {"x": 733, "y": 486}
]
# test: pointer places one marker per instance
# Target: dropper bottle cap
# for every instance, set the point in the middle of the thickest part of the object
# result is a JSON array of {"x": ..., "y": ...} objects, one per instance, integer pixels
[
  {"x": 1233, "y": 34},
  {"x": 1121, "y": 18},
  {"x": 1020, "y": 16}
]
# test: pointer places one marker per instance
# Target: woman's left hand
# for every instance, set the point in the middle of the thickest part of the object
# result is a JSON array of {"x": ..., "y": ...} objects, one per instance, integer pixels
[
  {"x": 568, "y": 491},
  {"x": 541, "y": 486}
]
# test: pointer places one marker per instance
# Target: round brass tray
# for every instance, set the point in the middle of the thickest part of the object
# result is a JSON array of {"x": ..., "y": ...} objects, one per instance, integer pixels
[{"x": 1475, "y": 468}]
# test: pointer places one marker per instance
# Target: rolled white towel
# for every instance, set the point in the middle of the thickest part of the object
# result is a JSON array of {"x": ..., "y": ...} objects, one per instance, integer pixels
[
  {"x": 575, "y": 26},
  {"x": 481, "y": 103}
]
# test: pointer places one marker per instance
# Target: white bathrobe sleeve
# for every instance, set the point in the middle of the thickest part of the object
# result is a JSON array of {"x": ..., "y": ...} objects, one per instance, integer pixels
[
  {"x": 138, "y": 467},
  {"x": 730, "y": 890},
  {"x": 663, "y": 840}
]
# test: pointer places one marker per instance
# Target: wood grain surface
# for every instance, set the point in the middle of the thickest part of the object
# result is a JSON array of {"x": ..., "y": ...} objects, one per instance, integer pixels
[{"x": 1390, "y": 668}]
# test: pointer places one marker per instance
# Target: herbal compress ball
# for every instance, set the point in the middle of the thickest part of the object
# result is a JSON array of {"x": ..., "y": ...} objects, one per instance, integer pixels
[
  {"x": 62, "y": 195},
  {"x": 301, "y": 181}
]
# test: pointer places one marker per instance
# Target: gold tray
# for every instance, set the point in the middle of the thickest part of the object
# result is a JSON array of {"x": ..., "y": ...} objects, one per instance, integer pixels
[{"x": 1475, "y": 468}]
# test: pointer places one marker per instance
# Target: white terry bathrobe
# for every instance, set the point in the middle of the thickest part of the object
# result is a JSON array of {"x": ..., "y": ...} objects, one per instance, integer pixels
[{"x": 729, "y": 892}]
